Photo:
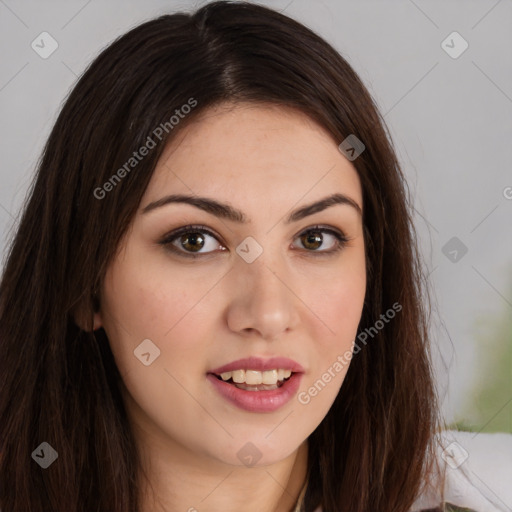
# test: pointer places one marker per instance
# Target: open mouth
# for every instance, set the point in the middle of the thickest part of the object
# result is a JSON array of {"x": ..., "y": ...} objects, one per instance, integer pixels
[
  {"x": 269, "y": 397},
  {"x": 253, "y": 387}
]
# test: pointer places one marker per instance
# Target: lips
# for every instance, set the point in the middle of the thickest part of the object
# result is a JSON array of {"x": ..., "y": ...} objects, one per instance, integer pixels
[
  {"x": 257, "y": 401},
  {"x": 259, "y": 364}
]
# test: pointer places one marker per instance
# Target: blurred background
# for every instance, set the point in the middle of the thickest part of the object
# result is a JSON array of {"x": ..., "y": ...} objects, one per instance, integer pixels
[{"x": 441, "y": 74}]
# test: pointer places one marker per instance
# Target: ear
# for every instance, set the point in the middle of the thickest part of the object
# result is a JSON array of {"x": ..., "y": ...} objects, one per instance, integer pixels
[
  {"x": 87, "y": 315},
  {"x": 97, "y": 321}
]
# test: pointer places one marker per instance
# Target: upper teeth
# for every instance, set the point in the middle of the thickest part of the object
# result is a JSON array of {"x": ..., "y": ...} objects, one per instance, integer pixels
[{"x": 255, "y": 377}]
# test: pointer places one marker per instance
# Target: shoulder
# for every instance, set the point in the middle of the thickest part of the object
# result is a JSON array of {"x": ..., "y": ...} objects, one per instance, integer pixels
[{"x": 478, "y": 472}]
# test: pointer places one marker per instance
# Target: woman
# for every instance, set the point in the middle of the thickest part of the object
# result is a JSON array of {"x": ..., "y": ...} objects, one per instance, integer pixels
[{"x": 214, "y": 298}]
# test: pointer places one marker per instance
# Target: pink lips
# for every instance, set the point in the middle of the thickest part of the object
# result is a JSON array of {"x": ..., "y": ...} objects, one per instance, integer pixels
[
  {"x": 256, "y": 363},
  {"x": 258, "y": 401}
]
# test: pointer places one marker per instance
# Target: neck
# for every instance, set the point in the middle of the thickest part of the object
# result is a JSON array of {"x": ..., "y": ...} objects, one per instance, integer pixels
[
  {"x": 173, "y": 477},
  {"x": 173, "y": 484}
]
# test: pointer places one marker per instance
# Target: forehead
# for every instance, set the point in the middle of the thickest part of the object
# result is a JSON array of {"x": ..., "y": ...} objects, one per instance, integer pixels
[{"x": 246, "y": 150}]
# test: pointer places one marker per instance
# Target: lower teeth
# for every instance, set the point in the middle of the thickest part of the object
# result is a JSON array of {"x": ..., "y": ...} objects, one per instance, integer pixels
[{"x": 258, "y": 387}]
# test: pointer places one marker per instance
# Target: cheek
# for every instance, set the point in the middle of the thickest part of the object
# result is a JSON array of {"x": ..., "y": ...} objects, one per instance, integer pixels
[
  {"x": 337, "y": 301},
  {"x": 338, "y": 306},
  {"x": 343, "y": 305},
  {"x": 147, "y": 305},
  {"x": 145, "y": 302}
]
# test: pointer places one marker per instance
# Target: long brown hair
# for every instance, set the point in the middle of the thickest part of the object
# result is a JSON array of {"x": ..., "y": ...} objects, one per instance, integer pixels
[{"x": 60, "y": 384}]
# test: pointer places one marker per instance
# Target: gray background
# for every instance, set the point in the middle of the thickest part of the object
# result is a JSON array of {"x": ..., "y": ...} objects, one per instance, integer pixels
[{"x": 450, "y": 119}]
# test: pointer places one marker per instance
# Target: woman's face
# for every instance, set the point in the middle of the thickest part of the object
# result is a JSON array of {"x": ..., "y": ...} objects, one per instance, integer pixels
[{"x": 261, "y": 274}]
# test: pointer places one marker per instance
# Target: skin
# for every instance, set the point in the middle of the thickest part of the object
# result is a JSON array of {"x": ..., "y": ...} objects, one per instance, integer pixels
[{"x": 201, "y": 313}]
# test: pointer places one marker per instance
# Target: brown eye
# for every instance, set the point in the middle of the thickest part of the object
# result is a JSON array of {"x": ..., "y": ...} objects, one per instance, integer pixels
[
  {"x": 191, "y": 241},
  {"x": 197, "y": 241},
  {"x": 318, "y": 237},
  {"x": 312, "y": 240}
]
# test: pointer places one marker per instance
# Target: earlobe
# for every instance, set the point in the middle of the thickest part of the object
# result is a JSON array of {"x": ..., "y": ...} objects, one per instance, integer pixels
[
  {"x": 81, "y": 314},
  {"x": 97, "y": 322}
]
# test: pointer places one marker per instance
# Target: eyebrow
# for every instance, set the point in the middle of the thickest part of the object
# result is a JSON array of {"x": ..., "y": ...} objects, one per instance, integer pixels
[{"x": 226, "y": 211}]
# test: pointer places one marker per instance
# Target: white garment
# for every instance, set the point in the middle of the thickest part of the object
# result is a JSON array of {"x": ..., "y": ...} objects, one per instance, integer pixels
[{"x": 478, "y": 472}]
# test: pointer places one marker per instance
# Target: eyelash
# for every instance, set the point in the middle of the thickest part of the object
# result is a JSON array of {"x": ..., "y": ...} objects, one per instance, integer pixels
[{"x": 341, "y": 240}]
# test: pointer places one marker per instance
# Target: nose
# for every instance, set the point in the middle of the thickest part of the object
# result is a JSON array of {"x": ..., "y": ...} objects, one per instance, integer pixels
[{"x": 263, "y": 302}]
